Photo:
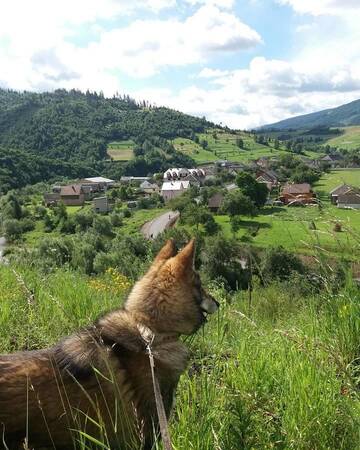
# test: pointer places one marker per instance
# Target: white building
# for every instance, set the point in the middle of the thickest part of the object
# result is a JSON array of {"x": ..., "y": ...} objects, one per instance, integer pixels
[
  {"x": 181, "y": 173},
  {"x": 172, "y": 189},
  {"x": 101, "y": 205},
  {"x": 102, "y": 182}
]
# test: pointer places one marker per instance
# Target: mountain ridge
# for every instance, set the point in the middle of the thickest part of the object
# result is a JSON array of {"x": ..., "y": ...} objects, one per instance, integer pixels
[{"x": 344, "y": 115}]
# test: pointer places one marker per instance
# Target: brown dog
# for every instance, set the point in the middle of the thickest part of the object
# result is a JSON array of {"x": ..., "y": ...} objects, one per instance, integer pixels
[{"x": 96, "y": 386}]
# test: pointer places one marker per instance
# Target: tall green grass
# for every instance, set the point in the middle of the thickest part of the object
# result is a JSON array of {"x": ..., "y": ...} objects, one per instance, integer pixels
[{"x": 279, "y": 372}]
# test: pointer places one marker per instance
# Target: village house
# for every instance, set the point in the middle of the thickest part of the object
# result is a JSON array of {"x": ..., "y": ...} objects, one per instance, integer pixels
[
  {"x": 193, "y": 175},
  {"x": 51, "y": 198},
  {"x": 72, "y": 195},
  {"x": 103, "y": 183},
  {"x": 149, "y": 188},
  {"x": 133, "y": 181},
  {"x": 297, "y": 194},
  {"x": 215, "y": 202},
  {"x": 101, "y": 205},
  {"x": 267, "y": 177},
  {"x": 331, "y": 160},
  {"x": 349, "y": 200},
  {"x": 341, "y": 190},
  {"x": 172, "y": 189}
]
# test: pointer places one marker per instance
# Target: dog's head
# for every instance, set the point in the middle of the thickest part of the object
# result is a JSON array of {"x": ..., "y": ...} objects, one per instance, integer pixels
[{"x": 170, "y": 297}]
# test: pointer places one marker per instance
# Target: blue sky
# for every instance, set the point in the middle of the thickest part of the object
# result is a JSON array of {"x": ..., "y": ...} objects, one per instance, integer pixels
[{"x": 243, "y": 63}]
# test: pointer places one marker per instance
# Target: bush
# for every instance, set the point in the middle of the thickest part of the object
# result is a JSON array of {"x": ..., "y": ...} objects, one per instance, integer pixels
[
  {"x": 12, "y": 229},
  {"x": 279, "y": 264},
  {"x": 221, "y": 260}
]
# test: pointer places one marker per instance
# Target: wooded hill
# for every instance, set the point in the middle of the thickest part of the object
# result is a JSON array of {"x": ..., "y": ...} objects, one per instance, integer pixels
[{"x": 74, "y": 128}]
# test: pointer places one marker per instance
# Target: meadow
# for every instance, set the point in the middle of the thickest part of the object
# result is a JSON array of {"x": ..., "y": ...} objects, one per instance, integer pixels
[
  {"x": 337, "y": 177},
  {"x": 277, "y": 371},
  {"x": 306, "y": 229},
  {"x": 121, "y": 150},
  {"x": 349, "y": 139},
  {"x": 222, "y": 145}
]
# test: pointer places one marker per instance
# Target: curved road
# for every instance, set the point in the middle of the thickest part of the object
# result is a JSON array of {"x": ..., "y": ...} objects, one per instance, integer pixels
[
  {"x": 156, "y": 226},
  {"x": 2, "y": 248}
]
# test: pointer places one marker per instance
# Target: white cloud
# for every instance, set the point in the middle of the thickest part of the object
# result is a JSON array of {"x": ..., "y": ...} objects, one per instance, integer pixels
[
  {"x": 226, "y": 4},
  {"x": 146, "y": 46},
  {"x": 323, "y": 7},
  {"x": 265, "y": 92},
  {"x": 42, "y": 57}
]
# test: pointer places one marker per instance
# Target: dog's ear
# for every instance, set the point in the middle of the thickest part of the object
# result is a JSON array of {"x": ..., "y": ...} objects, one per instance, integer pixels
[
  {"x": 167, "y": 251},
  {"x": 184, "y": 261}
]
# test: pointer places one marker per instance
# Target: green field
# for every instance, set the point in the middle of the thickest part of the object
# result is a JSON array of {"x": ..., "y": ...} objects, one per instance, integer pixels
[
  {"x": 335, "y": 178},
  {"x": 293, "y": 227},
  {"x": 224, "y": 147},
  {"x": 194, "y": 150},
  {"x": 121, "y": 150},
  {"x": 350, "y": 139}
]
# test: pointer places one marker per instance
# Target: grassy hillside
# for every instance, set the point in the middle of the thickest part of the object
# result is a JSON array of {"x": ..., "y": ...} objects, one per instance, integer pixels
[
  {"x": 276, "y": 373},
  {"x": 223, "y": 146},
  {"x": 349, "y": 139},
  {"x": 334, "y": 178},
  {"x": 344, "y": 115}
]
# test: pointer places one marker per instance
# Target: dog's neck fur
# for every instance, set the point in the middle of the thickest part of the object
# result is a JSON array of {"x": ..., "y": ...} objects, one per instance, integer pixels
[{"x": 152, "y": 338}]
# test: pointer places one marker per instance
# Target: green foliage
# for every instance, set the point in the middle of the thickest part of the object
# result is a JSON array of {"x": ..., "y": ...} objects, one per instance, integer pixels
[
  {"x": 237, "y": 203},
  {"x": 221, "y": 260},
  {"x": 49, "y": 135},
  {"x": 279, "y": 263},
  {"x": 257, "y": 192}
]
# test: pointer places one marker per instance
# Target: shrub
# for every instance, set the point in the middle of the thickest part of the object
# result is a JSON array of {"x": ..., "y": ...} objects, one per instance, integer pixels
[{"x": 279, "y": 264}]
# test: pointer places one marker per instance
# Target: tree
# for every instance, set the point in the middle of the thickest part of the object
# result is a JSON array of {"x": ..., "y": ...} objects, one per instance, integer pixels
[
  {"x": 221, "y": 260},
  {"x": 276, "y": 144},
  {"x": 204, "y": 144},
  {"x": 257, "y": 192},
  {"x": 236, "y": 203},
  {"x": 239, "y": 142}
]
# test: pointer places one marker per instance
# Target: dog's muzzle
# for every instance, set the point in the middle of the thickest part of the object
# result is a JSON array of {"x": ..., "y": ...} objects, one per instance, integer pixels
[{"x": 209, "y": 305}]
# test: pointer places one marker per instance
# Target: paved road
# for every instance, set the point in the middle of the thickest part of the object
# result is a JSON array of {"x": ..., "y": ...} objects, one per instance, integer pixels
[
  {"x": 156, "y": 226},
  {"x": 2, "y": 248}
]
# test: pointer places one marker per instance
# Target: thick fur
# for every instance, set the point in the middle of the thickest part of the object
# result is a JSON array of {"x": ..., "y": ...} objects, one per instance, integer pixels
[{"x": 98, "y": 381}]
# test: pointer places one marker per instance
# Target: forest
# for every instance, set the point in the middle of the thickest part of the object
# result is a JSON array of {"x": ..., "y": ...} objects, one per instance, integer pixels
[{"x": 73, "y": 129}]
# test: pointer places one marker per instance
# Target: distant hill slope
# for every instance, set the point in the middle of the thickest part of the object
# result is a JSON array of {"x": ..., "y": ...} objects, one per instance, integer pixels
[
  {"x": 73, "y": 125},
  {"x": 342, "y": 116},
  {"x": 73, "y": 129}
]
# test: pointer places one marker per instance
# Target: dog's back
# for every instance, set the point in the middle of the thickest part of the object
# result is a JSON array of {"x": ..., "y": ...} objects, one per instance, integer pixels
[{"x": 96, "y": 385}]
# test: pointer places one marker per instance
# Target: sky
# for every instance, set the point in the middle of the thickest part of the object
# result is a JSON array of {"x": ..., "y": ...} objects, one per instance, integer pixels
[{"x": 241, "y": 63}]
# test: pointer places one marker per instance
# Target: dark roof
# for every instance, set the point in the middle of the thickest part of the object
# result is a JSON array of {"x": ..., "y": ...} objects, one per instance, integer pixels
[
  {"x": 303, "y": 188},
  {"x": 268, "y": 175},
  {"x": 216, "y": 200},
  {"x": 349, "y": 199},
  {"x": 70, "y": 190},
  {"x": 342, "y": 189}
]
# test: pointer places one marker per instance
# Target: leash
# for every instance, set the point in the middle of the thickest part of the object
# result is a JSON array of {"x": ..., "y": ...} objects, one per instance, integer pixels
[{"x": 164, "y": 426}]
